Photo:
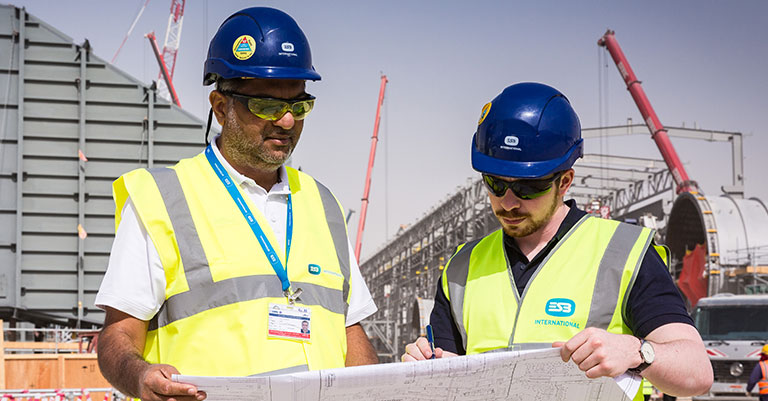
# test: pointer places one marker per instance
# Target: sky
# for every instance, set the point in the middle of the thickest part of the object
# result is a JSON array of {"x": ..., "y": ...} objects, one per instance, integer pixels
[{"x": 701, "y": 63}]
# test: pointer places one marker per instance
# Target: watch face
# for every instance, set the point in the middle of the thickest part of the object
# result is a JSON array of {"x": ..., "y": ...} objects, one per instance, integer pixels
[{"x": 646, "y": 350}]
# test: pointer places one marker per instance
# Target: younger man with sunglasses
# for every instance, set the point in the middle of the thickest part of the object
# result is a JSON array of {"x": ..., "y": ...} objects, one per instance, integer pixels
[
  {"x": 222, "y": 262},
  {"x": 554, "y": 275}
]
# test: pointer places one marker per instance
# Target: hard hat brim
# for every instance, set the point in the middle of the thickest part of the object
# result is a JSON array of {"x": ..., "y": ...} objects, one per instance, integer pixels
[
  {"x": 530, "y": 169},
  {"x": 217, "y": 68}
]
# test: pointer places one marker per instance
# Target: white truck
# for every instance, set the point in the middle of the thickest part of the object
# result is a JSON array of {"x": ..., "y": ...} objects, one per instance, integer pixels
[{"x": 734, "y": 329}]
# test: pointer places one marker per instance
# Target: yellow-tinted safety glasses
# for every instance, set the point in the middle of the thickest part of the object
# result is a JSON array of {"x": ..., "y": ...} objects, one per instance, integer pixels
[{"x": 272, "y": 109}]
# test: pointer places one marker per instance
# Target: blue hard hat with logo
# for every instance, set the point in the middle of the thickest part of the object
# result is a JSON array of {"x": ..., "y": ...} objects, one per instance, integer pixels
[
  {"x": 530, "y": 130},
  {"x": 259, "y": 42}
]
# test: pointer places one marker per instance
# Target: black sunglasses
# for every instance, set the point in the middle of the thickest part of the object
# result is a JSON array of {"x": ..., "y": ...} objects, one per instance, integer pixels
[{"x": 523, "y": 189}]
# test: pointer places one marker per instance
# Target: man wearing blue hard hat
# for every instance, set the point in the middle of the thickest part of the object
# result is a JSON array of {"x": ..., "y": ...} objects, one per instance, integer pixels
[
  {"x": 221, "y": 262},
  {"x": 554, "y": 275}
]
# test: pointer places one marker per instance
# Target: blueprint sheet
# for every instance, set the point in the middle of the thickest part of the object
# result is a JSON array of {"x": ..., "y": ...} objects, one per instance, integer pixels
[{"x": 525, "y": 375}]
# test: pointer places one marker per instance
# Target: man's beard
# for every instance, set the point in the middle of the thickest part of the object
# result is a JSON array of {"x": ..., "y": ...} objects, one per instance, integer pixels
[
  {"x": 246, "y": 153},
  {"x": 530, "y": 225}
]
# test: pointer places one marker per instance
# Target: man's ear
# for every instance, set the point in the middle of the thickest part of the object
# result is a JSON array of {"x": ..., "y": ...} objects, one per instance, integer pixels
[
  {"x": 219, "y": 106},
  {"x": 566, "y": 180}
]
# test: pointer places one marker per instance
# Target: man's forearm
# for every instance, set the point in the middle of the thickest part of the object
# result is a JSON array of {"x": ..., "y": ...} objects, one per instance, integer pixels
[
  {"x": 681, "y": 368},
  {"x": 119, "y": 362},
  {"x": 359, "y": 348}
]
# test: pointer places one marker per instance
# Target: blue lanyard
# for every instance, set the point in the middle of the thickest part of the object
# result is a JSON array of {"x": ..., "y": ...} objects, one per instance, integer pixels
[{"x": 265, "y": 245}]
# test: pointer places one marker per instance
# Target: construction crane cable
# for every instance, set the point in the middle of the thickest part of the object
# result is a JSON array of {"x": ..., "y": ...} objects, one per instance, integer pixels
[
  {"x": 600, "y": 103},
  {"x": 130, "y": 30},
  {"x": 386, "y": 166},
  {"x": 606, "y": 99}
]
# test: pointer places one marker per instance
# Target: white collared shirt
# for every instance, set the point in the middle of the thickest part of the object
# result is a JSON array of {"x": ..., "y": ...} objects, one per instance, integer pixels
[{"x": 135, "y": 279}]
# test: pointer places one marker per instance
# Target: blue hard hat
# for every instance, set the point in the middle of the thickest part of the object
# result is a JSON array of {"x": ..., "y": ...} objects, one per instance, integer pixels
[
  {"x": 528, "y": 131},
  {"x": 259, "y": 42}
]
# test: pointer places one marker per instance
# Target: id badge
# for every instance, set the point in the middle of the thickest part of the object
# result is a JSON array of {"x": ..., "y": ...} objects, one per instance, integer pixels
[{"x": 289, "y": 321}]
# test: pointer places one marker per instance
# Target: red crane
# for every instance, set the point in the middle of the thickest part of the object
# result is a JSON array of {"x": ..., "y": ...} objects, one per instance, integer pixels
[
  {"x": 171, "y": 46},
  {"x": 163, "y": 68},
  {"x": 367, "y": 190},
  {"x": 658, "y": 132}
]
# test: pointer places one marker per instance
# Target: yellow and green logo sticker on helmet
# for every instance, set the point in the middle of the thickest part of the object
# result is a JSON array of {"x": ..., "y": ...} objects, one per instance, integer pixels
[
  {"x": 244, "y": 47},
  {"x": 484, "y": 113}
]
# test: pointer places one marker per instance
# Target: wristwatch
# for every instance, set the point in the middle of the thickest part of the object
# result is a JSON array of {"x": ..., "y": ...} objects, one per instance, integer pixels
[{"x": 647, "y": 354}]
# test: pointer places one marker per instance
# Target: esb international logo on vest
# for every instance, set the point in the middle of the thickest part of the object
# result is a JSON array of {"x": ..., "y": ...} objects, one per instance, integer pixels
[{"x": 559, "y": 307}]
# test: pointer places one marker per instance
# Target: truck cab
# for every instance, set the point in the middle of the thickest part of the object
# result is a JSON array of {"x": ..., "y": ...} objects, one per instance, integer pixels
[{"x": 734, "y": 329}]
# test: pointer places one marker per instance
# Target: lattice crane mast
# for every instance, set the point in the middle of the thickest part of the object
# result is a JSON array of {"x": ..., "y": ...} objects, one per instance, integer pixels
[{"x": 171, "y": 47}]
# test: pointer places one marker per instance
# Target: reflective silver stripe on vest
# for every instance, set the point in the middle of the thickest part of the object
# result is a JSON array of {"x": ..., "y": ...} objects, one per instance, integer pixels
[
  {"x": 646, "y": 246},
  {"x": 605, "y": 295},
  {"x": 193, "y": 257},
  {"x": 338, "y": 227},
  {"x": 285, "y": 371},
  {"x": 240, "y": 289},
  {"x": 204, "y": 293},
  {"x": 457, "y": 272}
]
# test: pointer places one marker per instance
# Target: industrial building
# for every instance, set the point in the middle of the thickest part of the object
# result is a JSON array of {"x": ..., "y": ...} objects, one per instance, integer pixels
[{"x": 71, "y": 124}]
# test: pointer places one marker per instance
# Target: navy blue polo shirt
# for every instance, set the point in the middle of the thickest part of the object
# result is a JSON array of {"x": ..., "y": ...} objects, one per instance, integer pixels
[{"x": 653, "y": 301}]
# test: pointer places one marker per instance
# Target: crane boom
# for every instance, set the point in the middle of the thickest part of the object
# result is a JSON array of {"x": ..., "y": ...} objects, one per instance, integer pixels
[
  {"x": 367, "y": 190},
  {"x": 658, "y": 132},
  {"x": 163, "y": 69}
]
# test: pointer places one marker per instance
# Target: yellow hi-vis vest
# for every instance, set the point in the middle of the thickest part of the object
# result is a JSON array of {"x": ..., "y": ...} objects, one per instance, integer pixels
[
  {"x": 219, "y": 283},
  {"x": 583, "y": 282}
]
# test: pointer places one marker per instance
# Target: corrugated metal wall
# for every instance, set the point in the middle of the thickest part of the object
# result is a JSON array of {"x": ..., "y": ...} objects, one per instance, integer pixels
[{"x": 56, "y": 99}]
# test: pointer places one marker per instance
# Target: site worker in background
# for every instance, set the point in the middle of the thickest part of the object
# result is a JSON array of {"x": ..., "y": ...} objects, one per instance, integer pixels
[
  {"x": 759, "y": 375},
  {"x": 554, "y": 275},
  {"x": 218, "y": 260}
]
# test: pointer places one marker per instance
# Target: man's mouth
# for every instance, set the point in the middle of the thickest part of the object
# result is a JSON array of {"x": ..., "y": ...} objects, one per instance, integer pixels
[
  {"x": 280, "y": 140},
  {"x": 511, "y": 219}
]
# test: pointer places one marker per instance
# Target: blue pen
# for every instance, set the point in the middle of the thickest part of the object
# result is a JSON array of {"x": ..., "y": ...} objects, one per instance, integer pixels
[{"x": 431, "y": 339}]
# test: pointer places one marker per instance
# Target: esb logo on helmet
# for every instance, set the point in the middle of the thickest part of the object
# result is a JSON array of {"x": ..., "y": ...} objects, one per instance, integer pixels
[
  {"x": 511, "y": 140},
  {"x": 287, "y": 49}
]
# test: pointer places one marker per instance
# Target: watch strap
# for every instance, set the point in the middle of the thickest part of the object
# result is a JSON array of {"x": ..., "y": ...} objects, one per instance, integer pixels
[{"x": 644, "y": 364}]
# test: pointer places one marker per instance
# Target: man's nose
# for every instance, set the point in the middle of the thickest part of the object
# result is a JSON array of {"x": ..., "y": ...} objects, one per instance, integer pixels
[
  {"x": 286, "y": 121},
  {"x": 509, "y": 201}
]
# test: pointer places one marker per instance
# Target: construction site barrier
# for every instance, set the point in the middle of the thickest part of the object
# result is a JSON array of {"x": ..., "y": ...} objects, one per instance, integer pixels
[
  {"x": 33, "y": 365},
  {"x": 67, "y": 394}
]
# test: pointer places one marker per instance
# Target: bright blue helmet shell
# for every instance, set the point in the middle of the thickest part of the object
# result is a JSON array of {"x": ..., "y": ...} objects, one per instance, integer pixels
[
  {"x": 281, "y": 50},
  {"x": 529, "y": 131}
]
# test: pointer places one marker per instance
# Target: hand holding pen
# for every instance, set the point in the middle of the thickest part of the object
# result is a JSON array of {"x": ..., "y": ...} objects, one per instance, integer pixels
[{"x": 424, "y": 349}]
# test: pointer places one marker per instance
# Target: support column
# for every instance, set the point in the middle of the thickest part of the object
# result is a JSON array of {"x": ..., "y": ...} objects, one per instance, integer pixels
[
  {"x": 151, "y": 96},
  {"x": 81, "y": 88},
  {"x": 20, "y": 156}
]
